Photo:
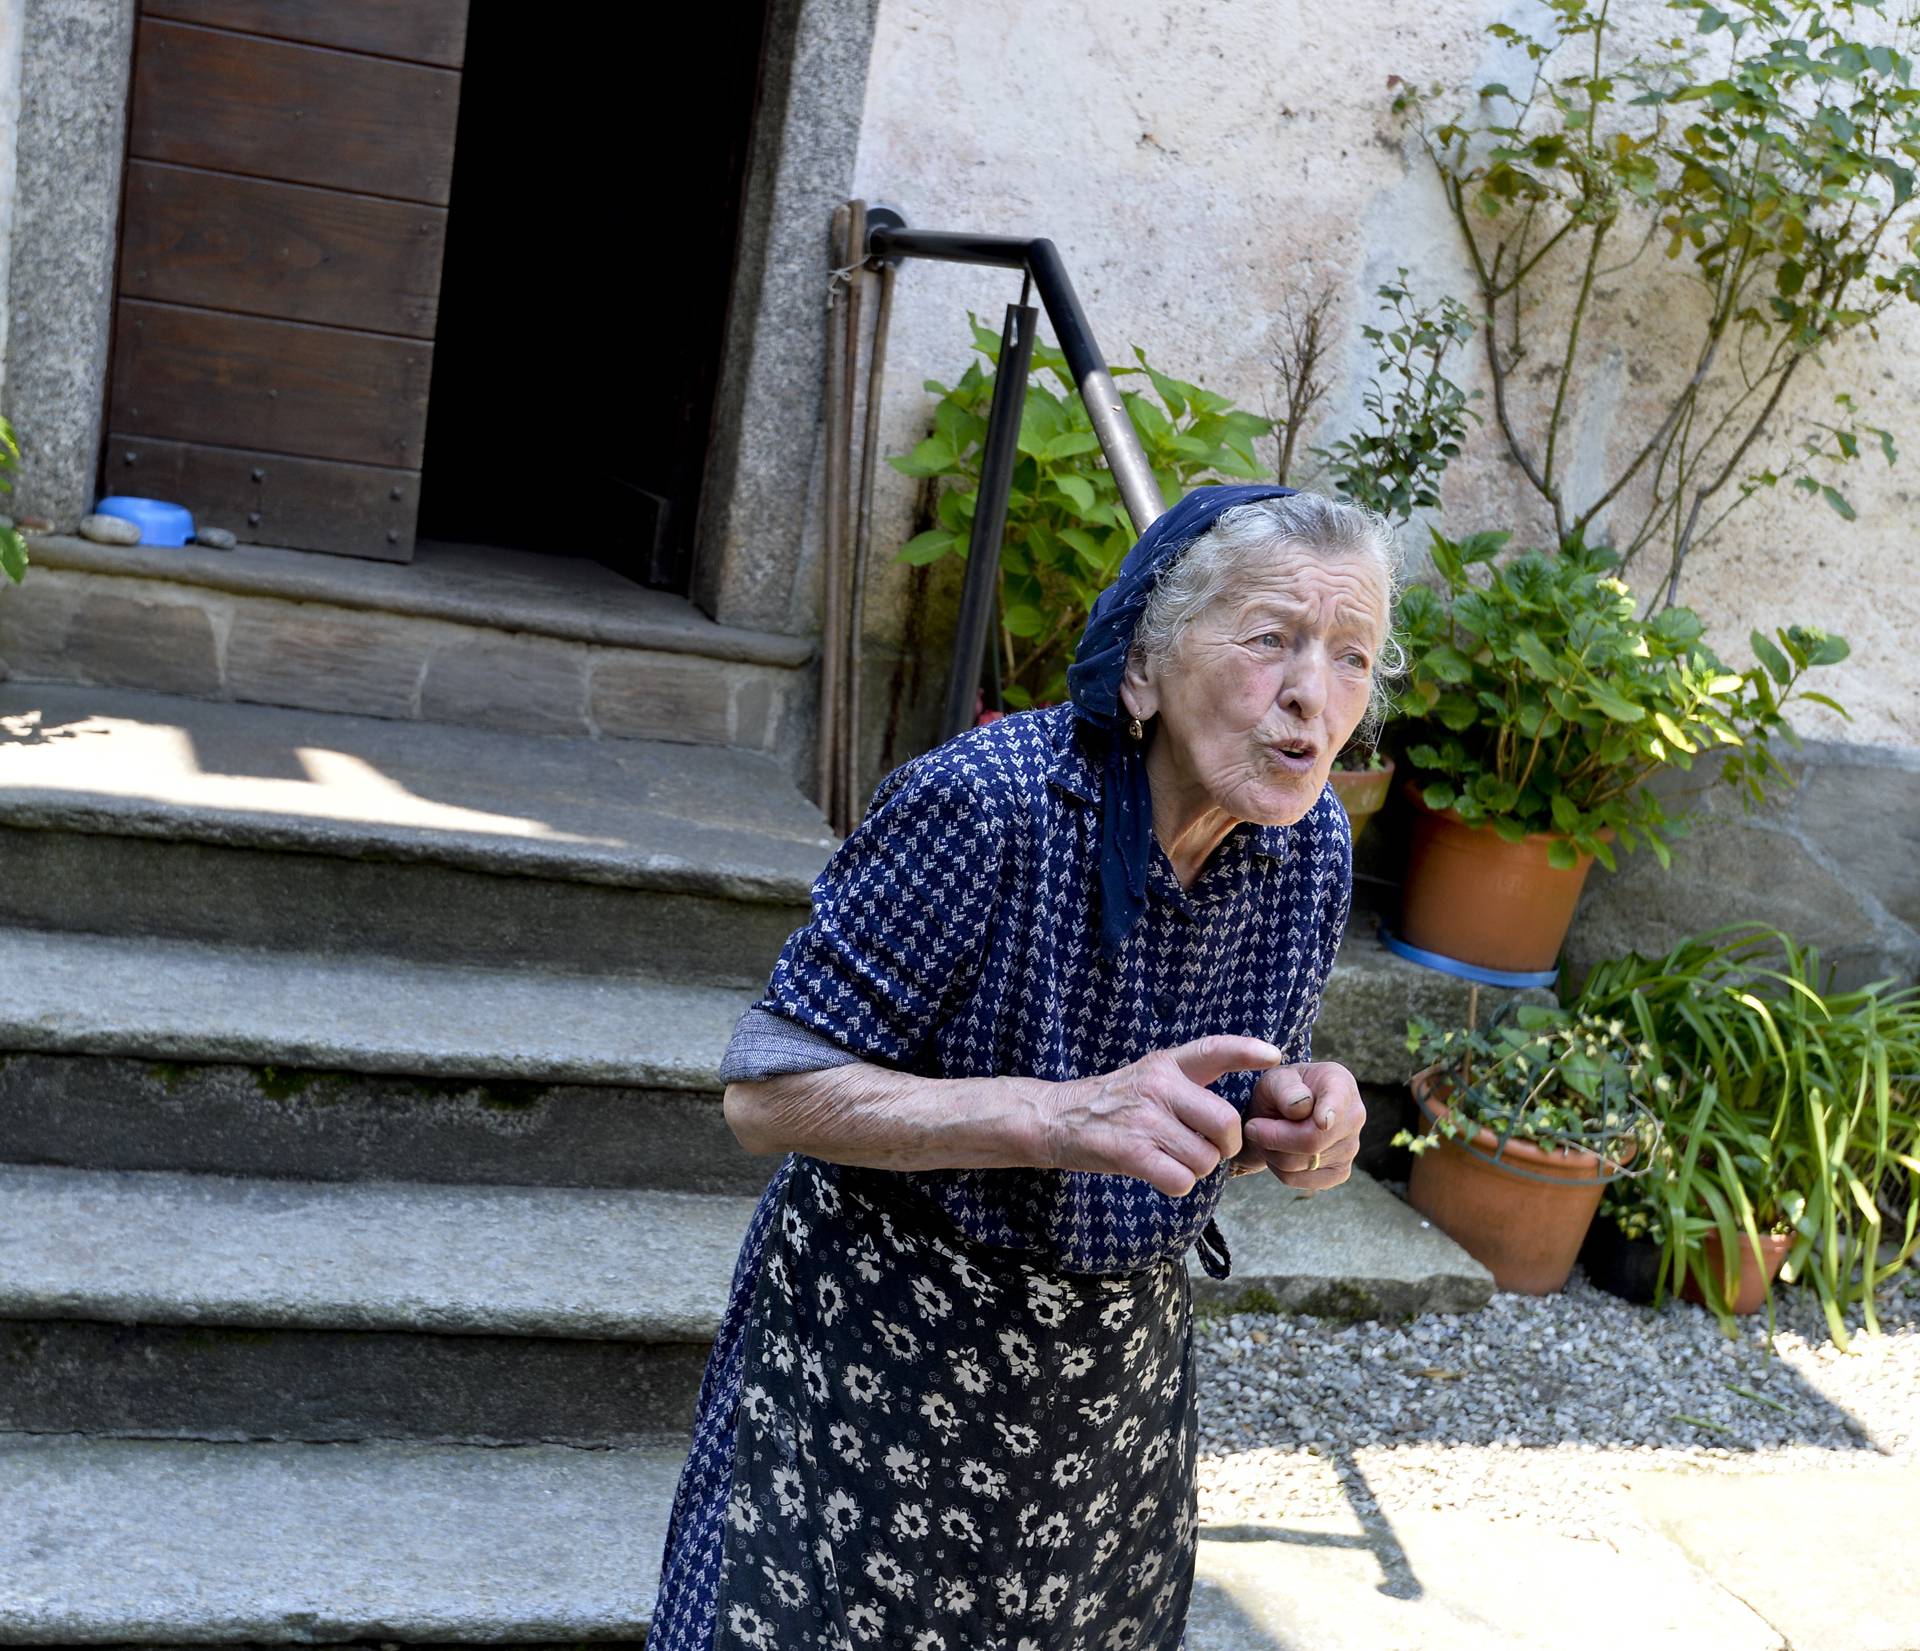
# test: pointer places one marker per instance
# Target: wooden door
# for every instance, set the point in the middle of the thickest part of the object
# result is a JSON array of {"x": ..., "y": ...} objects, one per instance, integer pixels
[{"x": 289, "y": 164}]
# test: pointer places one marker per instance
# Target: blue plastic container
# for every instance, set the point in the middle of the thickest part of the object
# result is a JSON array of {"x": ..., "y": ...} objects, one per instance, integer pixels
[{"x": 159, "y": 523}]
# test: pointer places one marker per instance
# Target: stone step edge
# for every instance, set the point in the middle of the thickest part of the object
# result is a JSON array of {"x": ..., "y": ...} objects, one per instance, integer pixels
[
  {"x": 233, "y": 574},
  {"x": 93, "y": 814},
  {"x": 183, "y": 1000},
  {"x": 160, "y": 1247},
  {"x": 172, "y": 1542}
]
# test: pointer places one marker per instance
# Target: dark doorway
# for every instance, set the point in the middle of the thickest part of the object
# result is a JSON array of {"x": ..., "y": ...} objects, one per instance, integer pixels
[{"x": 597, "y": 177}]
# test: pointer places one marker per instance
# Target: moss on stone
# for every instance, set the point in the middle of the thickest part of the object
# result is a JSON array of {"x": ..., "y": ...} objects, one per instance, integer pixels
[
  {"x": 169, "y": 1074},
  {"x": 286, "y": 1083},
  {"x": 1343, "y": 1300}
]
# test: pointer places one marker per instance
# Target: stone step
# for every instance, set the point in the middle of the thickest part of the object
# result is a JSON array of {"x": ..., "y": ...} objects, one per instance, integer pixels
[
  {"x": 150, "y": 814},
  {"x": 122, "y": 1542},
  {"x": 466, "y": 634},
  {"x": 119, "y": 1112},
  {"x": 157, "y": 1304},
  {"x": 164, "y": 1001},
  {"x": 159, "y": 1543},
  {"x": 1352, "y": 1252}
]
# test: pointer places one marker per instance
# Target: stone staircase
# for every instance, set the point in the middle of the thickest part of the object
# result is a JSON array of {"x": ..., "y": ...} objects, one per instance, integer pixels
[{"x": 366, "y": 1209}]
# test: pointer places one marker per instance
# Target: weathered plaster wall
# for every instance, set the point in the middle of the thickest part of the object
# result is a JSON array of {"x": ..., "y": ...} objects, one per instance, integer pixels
[
  {"x": 73, "y": 110},
  {"x": 1198, "y": 164}
]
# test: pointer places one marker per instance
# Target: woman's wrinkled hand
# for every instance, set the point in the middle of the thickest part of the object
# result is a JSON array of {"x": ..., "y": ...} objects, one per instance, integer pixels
[
  {"x": 1154, "y": 1119},
  {"x": 1303, "y": 1123}
]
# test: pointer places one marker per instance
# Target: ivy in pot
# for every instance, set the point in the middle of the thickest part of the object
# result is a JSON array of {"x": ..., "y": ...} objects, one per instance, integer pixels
[{"x": 1523, "y": 1125}]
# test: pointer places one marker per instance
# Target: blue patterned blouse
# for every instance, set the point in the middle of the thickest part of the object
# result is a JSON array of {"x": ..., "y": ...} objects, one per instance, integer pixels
[{"x": 954, "y": 934}]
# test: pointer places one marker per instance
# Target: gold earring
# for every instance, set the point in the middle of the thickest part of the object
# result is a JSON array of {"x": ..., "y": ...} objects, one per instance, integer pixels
[{"x": 1135, "y": 731}]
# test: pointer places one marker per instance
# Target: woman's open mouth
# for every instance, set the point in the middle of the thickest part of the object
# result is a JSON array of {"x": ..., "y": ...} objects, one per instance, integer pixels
[{"x": 1295, "y": 756}]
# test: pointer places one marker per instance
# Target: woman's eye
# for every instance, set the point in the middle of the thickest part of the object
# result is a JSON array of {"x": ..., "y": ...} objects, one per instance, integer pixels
[{"x": 1272, "y": 639}]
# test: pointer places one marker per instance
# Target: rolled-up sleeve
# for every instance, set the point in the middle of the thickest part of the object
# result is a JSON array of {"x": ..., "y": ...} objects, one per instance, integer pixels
[{"x": 901, "y": 917}]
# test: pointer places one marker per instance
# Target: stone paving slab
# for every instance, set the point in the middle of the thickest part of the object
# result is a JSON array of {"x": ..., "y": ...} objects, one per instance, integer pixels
[
  {"x": 181, "y": 1000},
  {"x": 1447, "y": 1582},
  {"x": 113, "y": 1542},
  {"x": 153, "y": 1247},
  {"x": 638, "y": 812},
  {"x": 1354, "y": 1251},
  {"x": 1827, "y": 1559}
]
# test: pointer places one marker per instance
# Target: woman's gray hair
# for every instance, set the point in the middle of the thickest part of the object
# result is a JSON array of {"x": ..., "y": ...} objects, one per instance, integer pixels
[{"x": 1247, "y": 539}]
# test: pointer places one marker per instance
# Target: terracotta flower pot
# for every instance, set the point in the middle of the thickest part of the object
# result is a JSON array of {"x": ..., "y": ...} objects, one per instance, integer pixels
[
  {"x": 1473, "y": 896},
  {"x": 1521, "y": 1216},
  {"x": 1625, "y": 1267},
  {"x": 1362, "y": 793},
  {"x": 1756, "y": 1272}
]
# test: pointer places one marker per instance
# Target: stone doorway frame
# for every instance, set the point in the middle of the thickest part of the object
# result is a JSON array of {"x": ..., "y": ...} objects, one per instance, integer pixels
[{"x": 69, "y": 62}]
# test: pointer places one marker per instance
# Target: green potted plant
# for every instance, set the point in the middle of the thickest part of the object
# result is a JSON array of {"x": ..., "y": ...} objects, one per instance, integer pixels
[
  {"x": 13, "y": 548},
  {"x": 1792, "y": 1146},
  {"x": 1523, "y": 1124},
  {"x": 1542, "y": 704},
  {"x": 1067, "y": 530}
]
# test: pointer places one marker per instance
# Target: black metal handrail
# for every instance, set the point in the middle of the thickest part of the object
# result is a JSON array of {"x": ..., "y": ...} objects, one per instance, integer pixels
[{"x": 888, "y": 239}]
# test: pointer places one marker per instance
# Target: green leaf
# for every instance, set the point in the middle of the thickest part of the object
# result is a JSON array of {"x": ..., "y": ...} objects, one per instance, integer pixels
[
  {"x": 1086, "y": 547},
  {"x": 1447, "y": 664},
  {"x": 1671, "y": 731},
  {"x": 13, "y": 554},
  {"x": 1023, "y": 619},
  {"x": 933, "y": 457},
  {"x": 1078, "y": 489},
  {"x": 1172, "y": 391},
  {"x": 927, "y": 547},
  {"x": 1069, "y": 445},
  {"x": 1838, "y": 500},
  {"x": 1529, "y": 647},
  {"x": 1438, "y": 796},
  {"x": 1617, "y": 706},
  {"x": 1771, "y": 657}
]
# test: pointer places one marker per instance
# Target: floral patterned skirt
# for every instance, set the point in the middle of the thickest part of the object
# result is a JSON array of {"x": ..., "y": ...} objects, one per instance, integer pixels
[{"x": 941, "y": 1445}]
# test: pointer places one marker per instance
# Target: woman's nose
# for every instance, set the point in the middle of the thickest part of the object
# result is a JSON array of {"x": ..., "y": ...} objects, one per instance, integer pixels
[{"x": 1303, "y": 695}]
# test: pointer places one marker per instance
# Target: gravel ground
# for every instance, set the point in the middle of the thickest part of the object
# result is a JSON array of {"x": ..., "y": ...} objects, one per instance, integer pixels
[{"x": 1535, "y": 1408}]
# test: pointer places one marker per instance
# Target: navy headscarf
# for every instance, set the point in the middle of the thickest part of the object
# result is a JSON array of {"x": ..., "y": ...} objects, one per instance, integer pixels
[{"x": 1093, "y": 683}]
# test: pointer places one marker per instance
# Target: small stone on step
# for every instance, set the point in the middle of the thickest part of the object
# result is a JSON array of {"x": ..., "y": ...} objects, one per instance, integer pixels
[
  {"x": 215, "y": 538},
  {"x": 109, "y": 530}
]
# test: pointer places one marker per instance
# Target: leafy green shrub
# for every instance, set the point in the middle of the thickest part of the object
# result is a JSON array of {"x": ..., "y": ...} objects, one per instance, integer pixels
[
  {"x": 1547, "y": 702},
  {"x": 1067, "y": 530}
]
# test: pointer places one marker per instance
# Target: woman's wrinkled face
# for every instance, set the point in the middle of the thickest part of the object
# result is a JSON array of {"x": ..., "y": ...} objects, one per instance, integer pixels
[{"x": 1266, "y": 687}]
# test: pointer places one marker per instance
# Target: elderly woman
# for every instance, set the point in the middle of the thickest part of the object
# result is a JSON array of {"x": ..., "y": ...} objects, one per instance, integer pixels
[{"x": 1056, "y": 989}]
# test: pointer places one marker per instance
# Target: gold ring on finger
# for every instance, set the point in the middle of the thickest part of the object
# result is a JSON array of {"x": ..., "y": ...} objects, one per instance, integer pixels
[{"x": 1316, "y": 1162}]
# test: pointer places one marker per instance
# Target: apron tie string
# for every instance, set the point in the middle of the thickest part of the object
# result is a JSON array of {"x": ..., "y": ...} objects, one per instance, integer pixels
[{"x": 1213, "y": 1252}]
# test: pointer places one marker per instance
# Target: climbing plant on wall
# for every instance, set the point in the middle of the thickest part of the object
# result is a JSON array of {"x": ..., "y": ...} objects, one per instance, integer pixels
[{"x": 1766, "y": 149}]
